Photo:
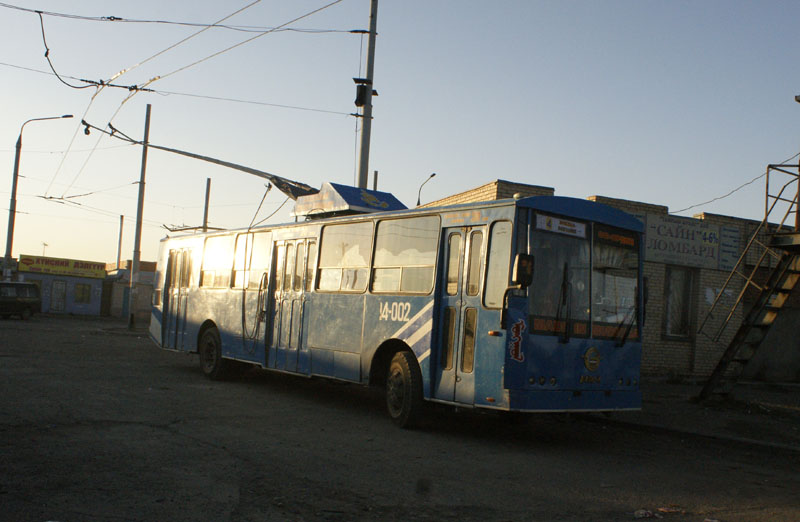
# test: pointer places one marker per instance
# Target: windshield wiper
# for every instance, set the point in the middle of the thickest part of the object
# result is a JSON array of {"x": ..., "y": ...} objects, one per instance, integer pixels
[{"x": 629, "y": 320}]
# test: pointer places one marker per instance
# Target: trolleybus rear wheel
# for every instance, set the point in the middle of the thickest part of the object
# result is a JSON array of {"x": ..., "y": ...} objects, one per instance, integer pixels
[
  {"x": 404, "y": 390},
  {"x": 210, "y": 351}
]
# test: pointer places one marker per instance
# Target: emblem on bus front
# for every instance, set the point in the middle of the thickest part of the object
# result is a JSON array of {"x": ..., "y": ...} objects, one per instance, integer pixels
[{"x": 591, "y": 359}]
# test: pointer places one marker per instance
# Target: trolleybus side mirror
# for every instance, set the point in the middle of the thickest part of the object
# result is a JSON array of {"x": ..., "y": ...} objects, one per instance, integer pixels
[
  {"x": 522, "y": 273},
  {"x": 521, "y": 277}
]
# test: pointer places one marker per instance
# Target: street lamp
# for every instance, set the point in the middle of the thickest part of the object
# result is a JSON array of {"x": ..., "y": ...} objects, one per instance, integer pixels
[
  {"x": 12, "y": 207},
  {"x": 419, "y": 192}
]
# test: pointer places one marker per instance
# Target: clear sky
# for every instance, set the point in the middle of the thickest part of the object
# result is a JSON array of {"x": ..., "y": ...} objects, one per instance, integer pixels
[{"x": 667, "y": 102}]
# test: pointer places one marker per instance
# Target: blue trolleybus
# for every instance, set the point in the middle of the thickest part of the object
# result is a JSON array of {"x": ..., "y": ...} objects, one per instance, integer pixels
[{"x": 522, "y": 305}]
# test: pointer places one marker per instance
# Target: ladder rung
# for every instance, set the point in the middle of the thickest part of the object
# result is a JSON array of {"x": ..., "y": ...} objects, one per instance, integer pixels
[{"x": 760, "y": 325}]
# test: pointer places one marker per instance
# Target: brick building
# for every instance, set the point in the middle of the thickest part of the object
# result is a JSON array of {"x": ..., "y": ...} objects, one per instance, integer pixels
[{"x": 686, "y": 264}]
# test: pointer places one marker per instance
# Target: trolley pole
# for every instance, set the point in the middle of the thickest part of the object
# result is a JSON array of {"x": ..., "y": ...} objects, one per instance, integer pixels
[
  {"x": 366, "y": 124},
  {"x": 138, "y": 238}
]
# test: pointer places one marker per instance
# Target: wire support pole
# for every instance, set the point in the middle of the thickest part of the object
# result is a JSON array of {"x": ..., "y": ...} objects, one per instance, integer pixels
[
  {"x": 205, "y": 207},
  {"x": 134, "y": 276},
  {"x": 119, "y": 242},
  {"x": 366, "y": 124}
]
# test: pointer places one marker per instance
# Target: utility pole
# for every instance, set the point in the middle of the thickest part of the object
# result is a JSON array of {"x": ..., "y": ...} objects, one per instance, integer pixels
[
  {"x": 138, "y": 239},
  {"x": 119, "y": 243},
  {"x": 366, "y": 124},
  {"x": 205, "y": 209}
]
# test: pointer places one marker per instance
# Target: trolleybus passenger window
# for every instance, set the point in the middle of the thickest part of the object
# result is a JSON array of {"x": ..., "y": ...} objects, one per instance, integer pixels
[
  {"x": 344, "y": 257},
  {"x": 497, "y": 264},
  {"x": 252, "y": 255},
  {"x": 259, "y": 258},
  {"x": 449, "y": 336},
  {"x": 298, "y": 268},
  {"x": 244, "y": 247},
  {"x": 454, "y": 257},
  {"x": 280, "y": 256},
  {"x": 312, "y": 260},
  {"x": 474, "y": 271},
  {"x": 468, "y": 348},
  {"x": 287, "y": 275},
  {"x": 405, "y": 255},
  {"x": 217, "y": 262}
]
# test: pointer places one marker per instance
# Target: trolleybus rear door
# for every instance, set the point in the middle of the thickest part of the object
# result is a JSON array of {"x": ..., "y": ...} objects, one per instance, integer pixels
[
  {"x": 175, "y": 292},
  {"x": 460, "y": 306}
]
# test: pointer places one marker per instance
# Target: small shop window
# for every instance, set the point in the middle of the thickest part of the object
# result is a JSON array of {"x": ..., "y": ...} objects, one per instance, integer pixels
[
  {"x": 678, "y": 302},
  {"x": 83, "y": 293}
]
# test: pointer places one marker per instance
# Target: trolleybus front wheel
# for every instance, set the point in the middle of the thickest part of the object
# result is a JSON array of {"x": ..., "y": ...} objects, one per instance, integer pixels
[
  {"x": 404, "y": 390},
  {"x": 210, "y": 351}
]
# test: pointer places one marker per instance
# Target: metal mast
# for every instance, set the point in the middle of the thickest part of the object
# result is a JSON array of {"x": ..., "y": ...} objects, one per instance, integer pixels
[{"x": 363, "y": 164}]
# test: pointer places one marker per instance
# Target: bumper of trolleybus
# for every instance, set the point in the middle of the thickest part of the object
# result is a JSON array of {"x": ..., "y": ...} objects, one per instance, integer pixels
[{"x": 574, "y": 401}]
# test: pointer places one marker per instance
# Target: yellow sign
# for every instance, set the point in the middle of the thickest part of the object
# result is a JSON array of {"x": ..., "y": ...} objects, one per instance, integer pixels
[{"x": 57, "y": 266}]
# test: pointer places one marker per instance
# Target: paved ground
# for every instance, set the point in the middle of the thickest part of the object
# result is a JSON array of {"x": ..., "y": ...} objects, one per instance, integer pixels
[
  {"x": 96, "y": 423},
  {"x": 755, "y": 413}
]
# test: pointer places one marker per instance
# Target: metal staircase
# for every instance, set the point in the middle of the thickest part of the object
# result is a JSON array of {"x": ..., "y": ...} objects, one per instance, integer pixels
[{"x": 772, "y": 245}]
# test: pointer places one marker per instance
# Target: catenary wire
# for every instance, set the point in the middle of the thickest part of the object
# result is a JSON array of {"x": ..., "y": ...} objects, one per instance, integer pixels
[
  {"x": 117, "y": 19},
  {"x": 229, "y": 48},
  {"x": 47, "y": 56},
  {"x": 732, "y": 191},
  {"x": 71, "y": 141},
  {"x": 184, "y": 40},
  {"x": 202, "y": 96}
]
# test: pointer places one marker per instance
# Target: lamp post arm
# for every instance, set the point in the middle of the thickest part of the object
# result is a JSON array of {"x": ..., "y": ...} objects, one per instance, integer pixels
[{"x": 12, "y": 205}]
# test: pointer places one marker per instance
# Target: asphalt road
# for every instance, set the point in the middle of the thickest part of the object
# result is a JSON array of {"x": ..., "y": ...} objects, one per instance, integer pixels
[{"x": 97, "y": 424}]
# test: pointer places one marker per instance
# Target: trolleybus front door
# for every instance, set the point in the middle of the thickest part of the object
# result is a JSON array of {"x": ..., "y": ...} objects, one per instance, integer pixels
[
  {"x": 460, "y": 288},
  {"x": 177, "y": 286},
  {"x": 288, "y": 302}
]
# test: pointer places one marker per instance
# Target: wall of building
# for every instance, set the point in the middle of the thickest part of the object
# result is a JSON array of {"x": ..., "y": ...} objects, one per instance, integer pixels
[
  {"x": 67, "y": 286},
  {"x": 120, "y": 291},
  {"x": 497, "y": 189},
  {"x": 49, "y": 287}
]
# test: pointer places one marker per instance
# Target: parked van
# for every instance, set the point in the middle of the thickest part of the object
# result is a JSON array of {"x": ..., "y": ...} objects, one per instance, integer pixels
[{"x": 22, "y": 299}]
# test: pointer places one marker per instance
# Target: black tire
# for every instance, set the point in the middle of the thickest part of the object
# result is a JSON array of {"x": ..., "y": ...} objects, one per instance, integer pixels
[
  {"x": 210, "y": 351},
  {"x": 404, "y": 390},
  {"x": 25, "y": 314}
]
